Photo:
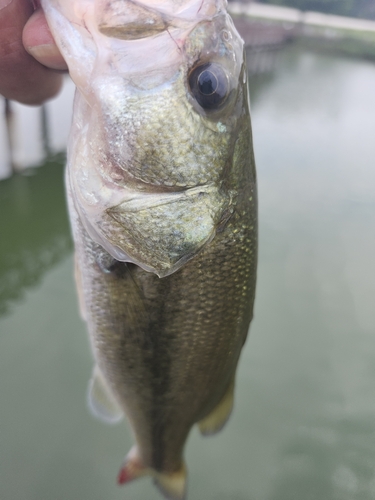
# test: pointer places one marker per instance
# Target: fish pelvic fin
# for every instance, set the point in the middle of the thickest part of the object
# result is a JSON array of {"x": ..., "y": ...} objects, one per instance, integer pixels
[
  {"x": 219, "y": 416},
  {"x": 171, "y": 485},
  {"x": 101, "y": 402}
]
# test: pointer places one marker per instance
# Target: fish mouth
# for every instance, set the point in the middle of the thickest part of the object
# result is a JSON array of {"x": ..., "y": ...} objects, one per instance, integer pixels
[{"x": 160, "y": 232}]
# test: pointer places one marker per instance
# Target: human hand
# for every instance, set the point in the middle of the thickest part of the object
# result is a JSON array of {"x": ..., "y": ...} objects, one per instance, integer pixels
[{"x": 30, "y": 62}]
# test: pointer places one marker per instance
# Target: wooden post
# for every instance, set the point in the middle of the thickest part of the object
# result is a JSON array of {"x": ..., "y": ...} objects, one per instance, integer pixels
[
  {"x": 26, "y": 136},
  {"x": 5, "y": 161},
  {"x": 59, "y": 117}
]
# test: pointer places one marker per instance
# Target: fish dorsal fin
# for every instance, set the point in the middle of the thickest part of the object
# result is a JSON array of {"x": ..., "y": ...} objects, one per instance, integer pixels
[
  {"x": 219, "y": 416},
  {"x": 101, "y": 402}
]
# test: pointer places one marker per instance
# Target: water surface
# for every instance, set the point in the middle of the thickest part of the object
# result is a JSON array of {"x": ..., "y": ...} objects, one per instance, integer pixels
[{"x": 304, "y": 422}]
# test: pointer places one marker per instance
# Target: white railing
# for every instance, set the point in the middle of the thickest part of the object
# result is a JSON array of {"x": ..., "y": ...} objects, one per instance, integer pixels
[
  {"x": 29, "y": 133},
  {"x": 306, "y": 20}
]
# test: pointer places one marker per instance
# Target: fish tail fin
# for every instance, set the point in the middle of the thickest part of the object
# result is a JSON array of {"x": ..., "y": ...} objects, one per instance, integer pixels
[
  {"x": 219, "y": 416},
  {"x": 172, "y": 485}
]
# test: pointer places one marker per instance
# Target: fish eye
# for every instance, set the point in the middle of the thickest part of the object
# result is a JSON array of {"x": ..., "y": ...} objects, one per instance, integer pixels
[{"x": 209, "y": 85}]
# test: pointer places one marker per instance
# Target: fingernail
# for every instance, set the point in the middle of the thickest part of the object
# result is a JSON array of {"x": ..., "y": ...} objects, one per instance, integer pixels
[
  {"x": 5, "y": 3},
  {"x": 48, "y": 55}
]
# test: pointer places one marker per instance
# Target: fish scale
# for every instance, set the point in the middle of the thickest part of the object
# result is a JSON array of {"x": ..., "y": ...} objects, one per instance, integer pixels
[
  {"x": 198, "y": 321},
  {"x": 162, "y": 198},
  {"x": 202, "y": 318}
]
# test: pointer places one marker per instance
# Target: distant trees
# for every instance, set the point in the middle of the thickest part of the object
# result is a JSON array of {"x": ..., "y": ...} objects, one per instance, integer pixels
[{"x": 354, "y": 8}]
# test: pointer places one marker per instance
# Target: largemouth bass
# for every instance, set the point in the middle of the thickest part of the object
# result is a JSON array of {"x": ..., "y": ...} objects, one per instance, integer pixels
[{"x": 162, "y": 197}]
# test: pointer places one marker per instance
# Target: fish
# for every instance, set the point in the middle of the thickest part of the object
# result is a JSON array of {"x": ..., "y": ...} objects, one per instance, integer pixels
[{"x": 161, "y": 189}]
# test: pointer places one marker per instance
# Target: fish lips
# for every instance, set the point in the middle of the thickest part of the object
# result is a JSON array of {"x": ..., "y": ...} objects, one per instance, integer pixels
[{"x": 161, "y": 232}]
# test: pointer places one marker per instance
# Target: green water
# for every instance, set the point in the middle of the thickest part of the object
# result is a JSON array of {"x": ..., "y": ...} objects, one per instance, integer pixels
[{"x": 304, "y": 422}]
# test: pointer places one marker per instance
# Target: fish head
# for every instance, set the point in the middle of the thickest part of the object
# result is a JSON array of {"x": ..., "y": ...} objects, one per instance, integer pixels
[{"x": 161, "y": 95}]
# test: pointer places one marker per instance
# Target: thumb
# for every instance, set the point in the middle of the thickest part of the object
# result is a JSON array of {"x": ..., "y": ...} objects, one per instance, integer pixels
[{"x": 38, "y": 41}]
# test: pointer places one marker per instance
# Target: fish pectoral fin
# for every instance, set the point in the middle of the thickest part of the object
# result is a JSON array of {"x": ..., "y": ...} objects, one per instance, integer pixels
[
  {"x": 172, "y": 485},
  {"x": 216, "y": 420},
  {"x": 101, "y": 402}
]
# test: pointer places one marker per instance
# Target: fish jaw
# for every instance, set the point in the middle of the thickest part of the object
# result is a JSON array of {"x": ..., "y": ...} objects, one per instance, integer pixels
[{"x": 87, "y": 32}]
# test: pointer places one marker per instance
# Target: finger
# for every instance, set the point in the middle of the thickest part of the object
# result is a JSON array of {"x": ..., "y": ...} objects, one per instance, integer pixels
[
  {"x": 39, "y": 42},
  {"x": 22, "y": 77}
]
